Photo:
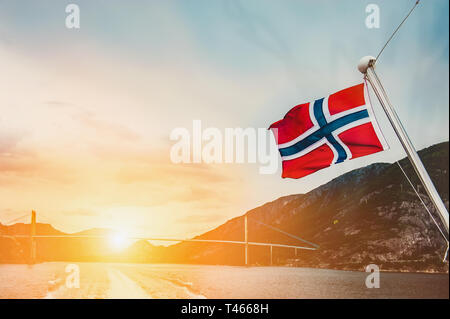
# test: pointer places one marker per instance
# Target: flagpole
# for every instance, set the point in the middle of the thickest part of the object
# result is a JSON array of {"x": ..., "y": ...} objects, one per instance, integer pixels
[{"x": 367, "y": 67}]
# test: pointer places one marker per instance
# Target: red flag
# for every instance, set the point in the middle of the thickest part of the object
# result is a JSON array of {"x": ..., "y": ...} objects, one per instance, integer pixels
[{"x": 330, "y": 130}]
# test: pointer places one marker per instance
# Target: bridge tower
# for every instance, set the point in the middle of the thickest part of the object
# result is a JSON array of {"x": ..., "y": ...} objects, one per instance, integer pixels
[
  {"x": 32, "y": 239},
  {"x": 271, "y": 255},
  {"x": 246, "y": 239}
]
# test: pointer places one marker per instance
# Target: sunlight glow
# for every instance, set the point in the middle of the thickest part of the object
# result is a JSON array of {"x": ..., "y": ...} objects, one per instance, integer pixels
[{"x": 118, "y": 241}]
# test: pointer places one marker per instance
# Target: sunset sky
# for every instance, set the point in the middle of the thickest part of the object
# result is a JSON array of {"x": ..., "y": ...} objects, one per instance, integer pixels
[{"x": 86, "y": 114}]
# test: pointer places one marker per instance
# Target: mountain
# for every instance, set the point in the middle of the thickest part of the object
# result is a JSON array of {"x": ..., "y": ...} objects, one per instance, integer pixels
[
  {"x": 369, "y": 215},
  {"x": 24, "y": 229},
  {"x": 16, "y": 250}
]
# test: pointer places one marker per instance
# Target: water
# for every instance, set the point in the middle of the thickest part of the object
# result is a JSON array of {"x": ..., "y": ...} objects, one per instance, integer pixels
[{"x": 103, "y": 280}]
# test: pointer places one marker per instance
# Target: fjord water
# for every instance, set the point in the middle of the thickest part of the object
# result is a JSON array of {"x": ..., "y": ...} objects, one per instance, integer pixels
[{"x": 104, "y": 280}]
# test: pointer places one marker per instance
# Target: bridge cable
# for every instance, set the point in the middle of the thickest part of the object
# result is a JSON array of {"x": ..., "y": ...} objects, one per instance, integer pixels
[
  {"x": 15, "y": 220},
  {"x": 426, "y": 208},
  {"x": 287, "y": 234}
]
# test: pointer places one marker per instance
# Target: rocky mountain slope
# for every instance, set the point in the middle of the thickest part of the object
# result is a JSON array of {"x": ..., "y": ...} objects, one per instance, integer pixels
[{"x": 369, "y": 215}]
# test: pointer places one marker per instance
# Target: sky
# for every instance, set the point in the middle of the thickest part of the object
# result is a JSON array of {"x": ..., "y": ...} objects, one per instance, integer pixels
[{"x": 86, "y": 114}]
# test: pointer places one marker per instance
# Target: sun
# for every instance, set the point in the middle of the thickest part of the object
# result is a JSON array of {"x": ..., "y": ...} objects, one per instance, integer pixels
[{"x": 118, "y": 241}]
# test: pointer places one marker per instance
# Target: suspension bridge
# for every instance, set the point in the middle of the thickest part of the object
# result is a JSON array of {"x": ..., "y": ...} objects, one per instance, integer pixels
[{"x": 246, "y": 243}]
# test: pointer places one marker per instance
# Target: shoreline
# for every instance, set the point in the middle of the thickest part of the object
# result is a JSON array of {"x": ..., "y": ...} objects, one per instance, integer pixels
[{"x": 430, "y": 272}]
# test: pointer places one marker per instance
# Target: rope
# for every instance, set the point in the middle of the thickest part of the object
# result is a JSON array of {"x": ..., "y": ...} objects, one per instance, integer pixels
[
  {"x": 389, "y": 40},
  {"x": 423, "y": 203},
  {"x": 404, "y": 173},
  {"x": 287, "y": 234},
  {"x": 446, "y": 254}
]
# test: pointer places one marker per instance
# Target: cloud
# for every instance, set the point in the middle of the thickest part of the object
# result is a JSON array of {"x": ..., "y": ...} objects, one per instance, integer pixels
[
  {"x": 80, "y": 212},
  {"x": 105, "y": 129},
  {"x": 165, "y": 183},
  {"x": 199, "y": 219},
  {"x": 195, "y": 193},
  {"x": 151, "y": 169},
  {"x": 22, "y": 165},
  {"x": 57, "y": 103},
  {"x": 13, "y": 159},
  {"x": 8, "y": 142}
]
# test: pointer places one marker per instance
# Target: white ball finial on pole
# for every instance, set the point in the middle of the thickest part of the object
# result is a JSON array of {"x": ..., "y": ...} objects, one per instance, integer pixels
[{"x": 365, "y": 63}]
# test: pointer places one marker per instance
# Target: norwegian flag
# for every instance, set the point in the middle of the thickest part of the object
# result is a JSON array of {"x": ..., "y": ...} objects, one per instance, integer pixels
[{"x": 330, "y": 130}]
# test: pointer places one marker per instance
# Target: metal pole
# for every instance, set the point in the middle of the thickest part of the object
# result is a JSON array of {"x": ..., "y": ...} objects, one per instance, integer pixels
[
  {"x": 366, "y": 66},
  {"x": 246, "y": 240},
  {"x": 32, "y": 240}
]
